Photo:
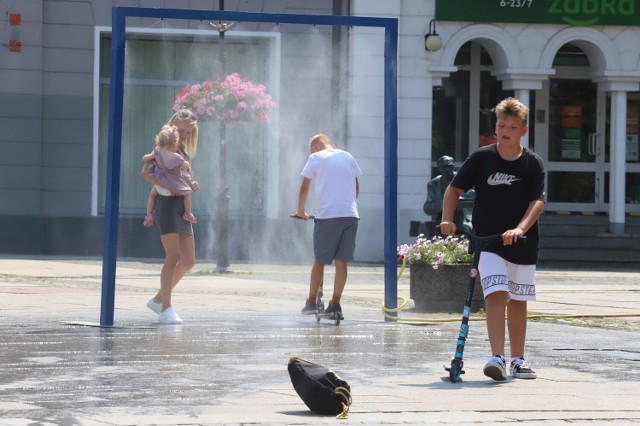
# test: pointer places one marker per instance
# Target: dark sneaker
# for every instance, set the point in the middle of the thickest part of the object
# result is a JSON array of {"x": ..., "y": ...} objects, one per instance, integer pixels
[
  {"x": 495, "y": 368},
  {"x": 335, "y": 309},
  {"x": 310, "y": 308},
  {"x": 520, "y": 369}
]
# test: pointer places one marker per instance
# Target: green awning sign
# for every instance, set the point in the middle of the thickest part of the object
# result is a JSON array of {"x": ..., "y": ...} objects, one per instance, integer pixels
[{"x": 569, "y": 12}]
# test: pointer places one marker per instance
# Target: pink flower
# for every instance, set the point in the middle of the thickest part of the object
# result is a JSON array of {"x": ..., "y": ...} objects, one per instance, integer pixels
[
  {"x": 436, "y": 251},
  {"x": 231, "y": 100}
]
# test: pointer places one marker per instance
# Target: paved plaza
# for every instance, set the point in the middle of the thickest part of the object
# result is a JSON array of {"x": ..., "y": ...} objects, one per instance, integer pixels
[{"x": 227, "y": 363}]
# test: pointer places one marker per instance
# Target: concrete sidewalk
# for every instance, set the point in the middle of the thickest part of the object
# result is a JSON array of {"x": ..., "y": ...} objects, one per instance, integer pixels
[{"x": 227, "y": 363}]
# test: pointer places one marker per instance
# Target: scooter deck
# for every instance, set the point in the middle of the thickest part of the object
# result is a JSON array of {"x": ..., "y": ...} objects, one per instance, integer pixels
[{"x": 331, "y": 316}]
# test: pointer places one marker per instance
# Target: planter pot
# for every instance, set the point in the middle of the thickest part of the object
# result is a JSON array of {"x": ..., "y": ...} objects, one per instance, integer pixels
[{"x": 443, "y": 289}]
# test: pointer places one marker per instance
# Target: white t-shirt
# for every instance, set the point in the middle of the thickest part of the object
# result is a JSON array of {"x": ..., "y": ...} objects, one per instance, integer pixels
[{"x": 333, "y": 173}]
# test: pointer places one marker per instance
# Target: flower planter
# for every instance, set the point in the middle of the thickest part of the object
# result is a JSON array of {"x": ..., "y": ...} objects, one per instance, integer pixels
[{"x": 443, "y": 289}]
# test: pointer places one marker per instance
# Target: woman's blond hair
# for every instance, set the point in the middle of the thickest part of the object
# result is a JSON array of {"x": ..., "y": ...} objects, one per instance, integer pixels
[{"x": 190, "y": 143}]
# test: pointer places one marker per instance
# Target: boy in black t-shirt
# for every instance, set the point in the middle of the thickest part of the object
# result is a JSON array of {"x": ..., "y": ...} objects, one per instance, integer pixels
[{"x": 509, "y": 186}]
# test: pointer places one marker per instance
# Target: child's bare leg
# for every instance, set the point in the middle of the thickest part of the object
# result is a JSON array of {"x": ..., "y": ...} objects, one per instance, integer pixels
[
  {"x": 315, "y": 280},
  {"x": 339, "y": 281},
  {"x": 188, "y": 215},
  {"x": 151, "y": 204}
]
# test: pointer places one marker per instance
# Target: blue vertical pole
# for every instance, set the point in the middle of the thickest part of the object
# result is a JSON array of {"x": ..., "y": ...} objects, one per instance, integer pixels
[
  {"x": 391, "y": 166},
  {"x": 112, "y": 205}
]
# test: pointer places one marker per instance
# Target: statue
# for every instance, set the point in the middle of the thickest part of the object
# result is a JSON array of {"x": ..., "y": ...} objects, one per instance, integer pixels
[{"x": 433, "y": 205}]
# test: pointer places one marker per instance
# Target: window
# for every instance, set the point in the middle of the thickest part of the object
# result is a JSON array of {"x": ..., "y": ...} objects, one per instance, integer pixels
[{"x": 156, "y": 68}]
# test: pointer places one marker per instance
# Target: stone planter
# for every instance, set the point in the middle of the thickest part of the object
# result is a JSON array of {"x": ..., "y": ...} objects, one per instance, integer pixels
[{"x": 443, "y": 289}]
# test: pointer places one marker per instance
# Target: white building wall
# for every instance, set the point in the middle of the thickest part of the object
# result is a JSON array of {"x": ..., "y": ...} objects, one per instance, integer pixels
[
  {"x": 46, "y": 94},
  {"x": 522, "y": 55},
  {"x": 414, "y": 118}
]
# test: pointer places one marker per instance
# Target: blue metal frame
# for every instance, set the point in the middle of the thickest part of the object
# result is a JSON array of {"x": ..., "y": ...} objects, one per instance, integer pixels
[{"x": 112, "y": 207}]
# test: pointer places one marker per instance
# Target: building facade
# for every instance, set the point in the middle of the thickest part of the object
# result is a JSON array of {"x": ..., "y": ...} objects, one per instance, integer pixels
[{"x": 575, "y": 64}]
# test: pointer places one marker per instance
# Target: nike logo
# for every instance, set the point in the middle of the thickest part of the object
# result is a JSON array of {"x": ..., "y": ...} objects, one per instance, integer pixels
[{"x": 501, "y": 179}]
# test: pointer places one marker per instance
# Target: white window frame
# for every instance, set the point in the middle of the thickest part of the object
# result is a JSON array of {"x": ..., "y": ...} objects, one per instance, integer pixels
[{"x": 272, "y": 155}]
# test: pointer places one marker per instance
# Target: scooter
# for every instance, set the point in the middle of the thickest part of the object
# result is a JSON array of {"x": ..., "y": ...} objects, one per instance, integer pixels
[
  {"x": 336, "y": 317},
  {"x": 477, "y": 244}
]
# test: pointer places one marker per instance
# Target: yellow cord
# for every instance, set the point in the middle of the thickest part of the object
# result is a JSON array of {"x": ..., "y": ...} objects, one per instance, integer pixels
[
  {"x": 404, "y": 264},
  {"x": 404, "y": 303},
  {"x": 346, "y": 395},
  {"x": 560, "y": 316},
  {"x": 403, "y": 306}
]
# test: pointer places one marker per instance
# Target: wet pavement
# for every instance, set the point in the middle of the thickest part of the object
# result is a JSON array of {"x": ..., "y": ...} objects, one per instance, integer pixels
[{"x": 227, "y": 363}]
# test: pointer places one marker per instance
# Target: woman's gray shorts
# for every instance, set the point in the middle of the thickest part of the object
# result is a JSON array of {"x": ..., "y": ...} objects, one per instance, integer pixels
[
  {"x": 168, "y": 215},
  {"x": 334, "y": 239}
]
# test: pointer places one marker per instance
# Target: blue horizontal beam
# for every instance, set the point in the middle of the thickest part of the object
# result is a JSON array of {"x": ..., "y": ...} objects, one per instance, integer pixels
[{"x": 280, "y": 18}]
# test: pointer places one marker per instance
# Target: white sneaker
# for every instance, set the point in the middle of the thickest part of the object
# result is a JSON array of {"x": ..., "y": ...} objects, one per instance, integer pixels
[
  {"x": 169, "y": 316},
  {"x": 495, "y": 368},
  {"x": 520, "y": 369},
  {"x": 154, "y": 306}
]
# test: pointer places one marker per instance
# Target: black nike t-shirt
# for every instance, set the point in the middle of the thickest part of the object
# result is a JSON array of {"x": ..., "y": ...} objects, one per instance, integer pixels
[{"x": 504, "y": 189}]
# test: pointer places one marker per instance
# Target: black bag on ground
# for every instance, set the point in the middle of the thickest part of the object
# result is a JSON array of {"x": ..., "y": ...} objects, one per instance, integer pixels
[{"x": 322, "y": 390}]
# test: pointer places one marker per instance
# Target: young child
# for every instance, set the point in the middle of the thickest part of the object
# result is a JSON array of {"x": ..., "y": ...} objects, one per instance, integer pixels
[
  {"x": 171, "y": 170},
  {"x": 335, "y": 176},
  {"x": 509, "y": 187}
]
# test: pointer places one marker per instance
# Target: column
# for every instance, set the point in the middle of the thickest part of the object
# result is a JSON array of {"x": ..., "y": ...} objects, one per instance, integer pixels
[
  {"x": 523, "y": 95},
  {"x": 618, "y": 138}
]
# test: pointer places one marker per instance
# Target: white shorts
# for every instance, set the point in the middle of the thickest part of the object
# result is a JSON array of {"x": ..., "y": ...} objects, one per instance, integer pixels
[{"x": 498, "y": 274}]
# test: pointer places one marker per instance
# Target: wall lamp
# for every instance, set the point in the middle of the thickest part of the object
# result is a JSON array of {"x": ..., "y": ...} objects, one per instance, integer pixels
[{"x": 432, "y": 41}]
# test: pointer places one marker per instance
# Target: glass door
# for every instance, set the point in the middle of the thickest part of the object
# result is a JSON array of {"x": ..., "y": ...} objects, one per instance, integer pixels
[
  {"x": 576, "y": 155},
  {"x": 632, "y": 156}
]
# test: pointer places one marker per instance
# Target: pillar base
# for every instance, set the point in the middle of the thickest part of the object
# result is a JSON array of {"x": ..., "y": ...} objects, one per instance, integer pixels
[{"x": 616, "y": 228}]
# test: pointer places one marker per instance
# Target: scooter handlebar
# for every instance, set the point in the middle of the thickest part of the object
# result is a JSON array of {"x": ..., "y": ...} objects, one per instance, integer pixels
[
  {"x": 295, "y": 216},
  {"x": 487, "y": 238},
  {"x": 521, "y": 239}
]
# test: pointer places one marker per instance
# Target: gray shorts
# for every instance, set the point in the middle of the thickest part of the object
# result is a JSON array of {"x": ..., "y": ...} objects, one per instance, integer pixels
[
  {"x": 168, "y": 215},
  {"x": 334, "y": 239}
]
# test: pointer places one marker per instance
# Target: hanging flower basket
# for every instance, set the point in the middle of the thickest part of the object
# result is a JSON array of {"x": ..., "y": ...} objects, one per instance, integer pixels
[{"x": 232, "y": 100}]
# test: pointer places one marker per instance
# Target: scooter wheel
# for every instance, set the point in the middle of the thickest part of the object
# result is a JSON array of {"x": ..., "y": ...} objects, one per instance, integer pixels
[
  {"x": 454, "y": 371},
  {"x": 337, "y": 322},
  {"x": 317, "y": 318}
]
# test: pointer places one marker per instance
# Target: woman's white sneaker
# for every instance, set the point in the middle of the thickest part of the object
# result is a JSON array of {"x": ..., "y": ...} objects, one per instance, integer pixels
[
  {"x": 169, "y": 316},
  {"x": 154, "y": 305}
]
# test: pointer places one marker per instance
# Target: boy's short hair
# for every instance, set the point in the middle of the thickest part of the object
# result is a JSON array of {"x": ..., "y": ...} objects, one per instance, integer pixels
[
  {"x": 320, "y": 140},
  {"x": 168, "y": 135},
  {"x": 512, "y": 107}
]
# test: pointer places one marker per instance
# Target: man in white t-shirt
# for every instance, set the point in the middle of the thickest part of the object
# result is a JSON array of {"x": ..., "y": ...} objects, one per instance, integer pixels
[{"x": 335, "y": 178}]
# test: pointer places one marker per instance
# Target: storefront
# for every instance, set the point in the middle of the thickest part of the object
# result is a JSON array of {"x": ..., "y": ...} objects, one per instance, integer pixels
[{"x": 576, "y": 64}]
